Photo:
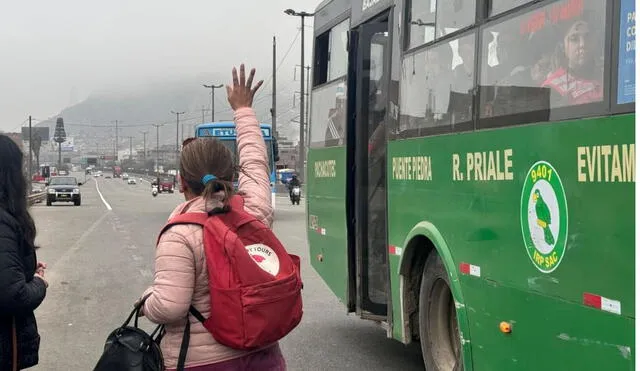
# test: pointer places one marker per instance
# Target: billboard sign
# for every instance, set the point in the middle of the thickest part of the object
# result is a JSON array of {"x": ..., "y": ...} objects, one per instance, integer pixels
[
  {"x": 36, "y": 131},
  {"x": 67, "y": 145}
]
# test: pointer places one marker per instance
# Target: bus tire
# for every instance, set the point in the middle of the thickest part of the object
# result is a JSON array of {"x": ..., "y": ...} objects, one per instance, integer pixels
[{"x": 439, "y": 335}]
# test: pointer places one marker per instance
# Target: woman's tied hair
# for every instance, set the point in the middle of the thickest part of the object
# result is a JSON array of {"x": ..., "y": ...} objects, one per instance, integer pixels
[{"x": 207, "y": 167}]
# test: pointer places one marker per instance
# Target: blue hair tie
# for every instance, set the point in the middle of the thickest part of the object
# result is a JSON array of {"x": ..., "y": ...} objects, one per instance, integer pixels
[{"x": 207, "y": 178}]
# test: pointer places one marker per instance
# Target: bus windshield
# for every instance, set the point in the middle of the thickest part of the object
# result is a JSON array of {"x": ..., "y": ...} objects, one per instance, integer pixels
[{"x": 233, "y": 147}]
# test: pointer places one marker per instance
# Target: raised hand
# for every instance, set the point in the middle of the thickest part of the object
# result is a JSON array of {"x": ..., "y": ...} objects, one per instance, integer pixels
[{"x": 241, "y": 94}]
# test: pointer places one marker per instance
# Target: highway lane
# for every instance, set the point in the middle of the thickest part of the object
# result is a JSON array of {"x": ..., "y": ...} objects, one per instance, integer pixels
[{"x": 100, "y": 258}]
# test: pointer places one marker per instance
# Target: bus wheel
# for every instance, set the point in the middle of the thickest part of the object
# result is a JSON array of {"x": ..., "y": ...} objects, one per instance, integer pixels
[{"x": 439, "y": 335}]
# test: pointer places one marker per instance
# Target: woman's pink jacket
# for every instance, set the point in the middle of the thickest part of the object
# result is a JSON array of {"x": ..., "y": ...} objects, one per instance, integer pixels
[{"x": 181, "y": 277}]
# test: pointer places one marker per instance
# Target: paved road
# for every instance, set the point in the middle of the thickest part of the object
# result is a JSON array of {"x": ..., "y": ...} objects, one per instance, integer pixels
[{"x": 100, "y": 258}]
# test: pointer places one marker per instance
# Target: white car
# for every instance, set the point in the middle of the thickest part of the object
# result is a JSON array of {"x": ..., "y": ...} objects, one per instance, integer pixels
[{"x": 131, "y": 181}]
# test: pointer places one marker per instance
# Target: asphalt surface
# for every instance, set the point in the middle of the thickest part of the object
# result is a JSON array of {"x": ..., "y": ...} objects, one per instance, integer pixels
[{"x": 100, "y": 259}]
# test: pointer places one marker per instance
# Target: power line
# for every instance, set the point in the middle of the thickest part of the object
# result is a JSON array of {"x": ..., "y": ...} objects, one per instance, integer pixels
[
  {"x": 127, "y": 126},
  {"x": 286, "y": 54}
]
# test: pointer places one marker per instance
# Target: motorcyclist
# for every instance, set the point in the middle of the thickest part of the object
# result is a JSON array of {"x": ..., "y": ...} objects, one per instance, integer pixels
[{"x": 294, "y": 182}]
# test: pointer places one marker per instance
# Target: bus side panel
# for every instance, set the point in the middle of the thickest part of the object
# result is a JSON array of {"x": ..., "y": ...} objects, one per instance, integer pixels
[
  {"x": 475, "y": 188},
  {"x": 327, "y": 224},
  {"x": 547, "y": 333}
]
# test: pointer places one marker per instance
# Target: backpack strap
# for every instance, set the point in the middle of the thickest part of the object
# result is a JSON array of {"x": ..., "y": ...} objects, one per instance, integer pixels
[{"x": 186, "y": 218}]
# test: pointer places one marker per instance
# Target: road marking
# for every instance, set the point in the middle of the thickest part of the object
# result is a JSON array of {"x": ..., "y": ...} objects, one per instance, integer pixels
[
  {"x": 79, "y": 244},
  {"x": 102, "y": 197}
]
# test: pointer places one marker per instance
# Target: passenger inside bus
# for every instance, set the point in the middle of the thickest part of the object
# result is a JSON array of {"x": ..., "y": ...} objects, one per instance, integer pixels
[
  {"x": 336, "y": 122},
  {"x": 574, "y": 79},
  {"x": 533, "y": 71}
]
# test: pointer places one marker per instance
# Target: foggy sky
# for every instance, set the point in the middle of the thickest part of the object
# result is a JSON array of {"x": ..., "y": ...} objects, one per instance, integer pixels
[{"x": 57, "y": 52}]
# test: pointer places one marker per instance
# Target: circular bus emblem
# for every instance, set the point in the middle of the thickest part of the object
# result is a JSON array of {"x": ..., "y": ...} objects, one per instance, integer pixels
[{"x": 543, "y": 217}]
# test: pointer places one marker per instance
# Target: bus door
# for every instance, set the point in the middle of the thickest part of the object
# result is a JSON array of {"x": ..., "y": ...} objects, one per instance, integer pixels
[{"x": 372, "y": 76}]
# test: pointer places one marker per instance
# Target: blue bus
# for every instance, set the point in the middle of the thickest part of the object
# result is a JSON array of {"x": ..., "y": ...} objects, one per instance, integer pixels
[{"x": 225, "y": 131}]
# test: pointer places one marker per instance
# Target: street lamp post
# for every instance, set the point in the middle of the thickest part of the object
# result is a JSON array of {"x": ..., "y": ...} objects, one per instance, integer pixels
[
  {"x": 213, "y": 88},
  {"x": 301, "y": 154}
]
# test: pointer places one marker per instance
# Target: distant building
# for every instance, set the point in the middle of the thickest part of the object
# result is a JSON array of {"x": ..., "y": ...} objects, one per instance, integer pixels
[{"x": 288, "y": 153}]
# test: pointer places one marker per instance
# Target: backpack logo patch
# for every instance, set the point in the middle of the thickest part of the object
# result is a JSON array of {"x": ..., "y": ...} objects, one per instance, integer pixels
[{"x": 265, "y": 257}]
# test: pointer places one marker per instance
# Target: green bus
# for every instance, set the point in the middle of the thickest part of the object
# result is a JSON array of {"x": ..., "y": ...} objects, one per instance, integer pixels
[{"x": 471, "y": 176}]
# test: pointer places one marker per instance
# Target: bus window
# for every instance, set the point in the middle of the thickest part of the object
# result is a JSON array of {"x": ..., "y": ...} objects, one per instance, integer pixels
[
  {"x": 321, "y": 59},
  {"x": 499, "y": 6},
  {"x": 338, "y": 56},
  {"x": 627, "y": 53},
  {"x": 331, "y": 58},
  {"x": 421, "y": 25},
  {"x": 550, "y": 58},
  {"x": 453, "y": 15},
  {"x": 328, "y": 114},
  {"x": 436, "y": 88}
]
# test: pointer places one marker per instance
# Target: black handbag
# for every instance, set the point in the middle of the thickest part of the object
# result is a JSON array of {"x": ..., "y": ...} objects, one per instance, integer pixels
[{"x": 129, "y": 348}]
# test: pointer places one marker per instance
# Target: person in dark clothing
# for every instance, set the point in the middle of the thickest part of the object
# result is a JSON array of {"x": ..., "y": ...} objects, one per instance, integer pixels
[
  {"x": 294, "y": 182},
  {"x": 22, "y": 283}
]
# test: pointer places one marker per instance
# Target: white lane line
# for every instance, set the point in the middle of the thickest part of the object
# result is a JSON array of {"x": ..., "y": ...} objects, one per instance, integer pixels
[
  {"x": 66, "y": 256},
  {"x": 102, "y": 197}
]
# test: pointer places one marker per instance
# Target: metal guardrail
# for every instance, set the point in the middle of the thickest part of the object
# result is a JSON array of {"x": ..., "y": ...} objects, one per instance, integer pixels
[{"x": 36, "y": 197}]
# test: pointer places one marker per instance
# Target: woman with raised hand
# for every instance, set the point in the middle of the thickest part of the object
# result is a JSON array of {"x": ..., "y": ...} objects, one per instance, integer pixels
[{"x": 207, "y": 173}]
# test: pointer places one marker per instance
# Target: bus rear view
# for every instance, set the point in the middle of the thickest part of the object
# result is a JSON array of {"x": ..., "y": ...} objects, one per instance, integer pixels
[{"x": 226, "y": 133}]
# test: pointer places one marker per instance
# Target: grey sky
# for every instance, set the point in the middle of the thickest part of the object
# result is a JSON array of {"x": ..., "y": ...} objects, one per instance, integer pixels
[{"x": 55, "y": 50}]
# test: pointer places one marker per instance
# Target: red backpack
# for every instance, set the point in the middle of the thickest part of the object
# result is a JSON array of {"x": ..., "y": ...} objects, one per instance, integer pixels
[{"x": 254, "y": 284}]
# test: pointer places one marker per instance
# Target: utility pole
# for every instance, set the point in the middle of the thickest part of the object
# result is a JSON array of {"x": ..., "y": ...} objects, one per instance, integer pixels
[
  {"x": 301, "y": 155},
  {"x": 273, "y": 92},
  {"x": 307, "y": 93},
  {"x": 177, "y": 137},
  {"x": 130, "y": 148},
  {"x": 213, "y": 88},
  {"x": 115, "y": 148},
  {"x": 144, "y": 145},
  {"x": 157, "y": 126},
  {"x": 308, "y": 68},
  {"x": 177, "y": 143},
  {"x": 203, "y": 114}
]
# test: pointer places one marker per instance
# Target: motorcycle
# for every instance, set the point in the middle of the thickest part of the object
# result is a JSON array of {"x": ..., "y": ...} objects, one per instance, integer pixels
[
  {"x": 154, "y": 191},
  {"x": 295, "y": 196}
]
